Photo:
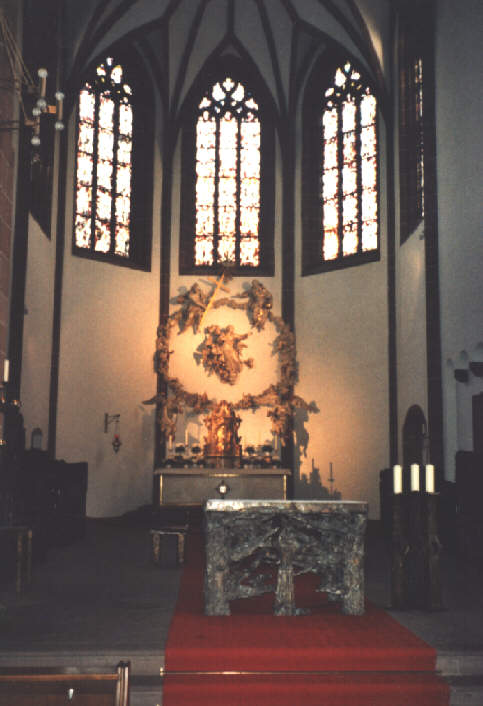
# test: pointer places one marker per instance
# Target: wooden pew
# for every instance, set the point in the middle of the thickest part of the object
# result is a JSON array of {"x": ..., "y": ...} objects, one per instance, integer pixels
[{"x": 46, "y": 687}]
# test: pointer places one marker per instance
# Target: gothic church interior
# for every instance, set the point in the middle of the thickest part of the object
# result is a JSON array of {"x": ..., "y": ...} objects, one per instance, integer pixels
[{"x": 192, "y": 160}]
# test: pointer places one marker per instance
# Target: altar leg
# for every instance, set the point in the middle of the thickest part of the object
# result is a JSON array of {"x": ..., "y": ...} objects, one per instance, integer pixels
[
  {"x": 285, "y": 592},
  {"x": 353, "y": 599},
  {"x": 216, "y": 571}
]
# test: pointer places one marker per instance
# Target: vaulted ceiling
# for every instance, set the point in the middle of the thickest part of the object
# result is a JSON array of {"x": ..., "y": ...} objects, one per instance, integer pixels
[{"x": 176, "y": 37}]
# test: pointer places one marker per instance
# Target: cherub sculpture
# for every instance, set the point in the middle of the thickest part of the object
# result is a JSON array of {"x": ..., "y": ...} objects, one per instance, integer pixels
[
  {"x": 193, "y": 305},
  {"x": 222, "y": 353}
]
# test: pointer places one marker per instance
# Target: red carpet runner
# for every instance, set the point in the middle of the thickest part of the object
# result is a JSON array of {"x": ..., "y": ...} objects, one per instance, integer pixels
[{"x": 368, "y": 660}]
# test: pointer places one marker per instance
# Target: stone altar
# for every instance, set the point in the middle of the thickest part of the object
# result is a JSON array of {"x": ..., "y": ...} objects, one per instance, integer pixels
[{"x": 247, "y": 538}]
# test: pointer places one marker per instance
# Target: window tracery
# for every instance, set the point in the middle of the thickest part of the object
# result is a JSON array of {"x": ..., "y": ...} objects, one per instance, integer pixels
[
  {"x": 341, "y": 215},
  {"x": 113, "y": 168},
  {"x": 227, "y": 175}
]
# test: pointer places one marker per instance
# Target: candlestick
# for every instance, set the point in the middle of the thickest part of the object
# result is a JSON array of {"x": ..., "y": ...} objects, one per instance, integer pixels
[
  {"x": 429, "y": 478},
  {"x": 414, "y": 477},
  {"x": 59, "y": 97},
  {"x": 42, "y": 74},
  {"x": 6, "y": 369},
  {"x": 397, "y": 479}
]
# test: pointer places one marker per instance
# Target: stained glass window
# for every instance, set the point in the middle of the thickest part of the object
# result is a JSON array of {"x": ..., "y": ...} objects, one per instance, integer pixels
[
  {"x": 417, "y": 66},
  {"x": 228, "y": 168},
  {"x": 104, "y": 163},
  {"x": 348, "y": 184},
  {"x": 415, "y": 27}
]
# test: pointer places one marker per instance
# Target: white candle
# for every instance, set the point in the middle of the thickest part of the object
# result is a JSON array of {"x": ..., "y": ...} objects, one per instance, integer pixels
[
  {"x": 397, "y": 479},
  {"x": 170, "y": 445},
  {"x": 59, "y": 97},
  {"x": 430, "y": 478},
  {"x": 42, "y": 74},
  {"x": 414, "y": 477},
  {"x": 186, "y": 437},
  {"x": 6, "y": 369}
]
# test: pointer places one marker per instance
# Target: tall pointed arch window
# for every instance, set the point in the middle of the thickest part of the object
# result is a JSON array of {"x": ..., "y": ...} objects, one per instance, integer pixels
[
  {"x": 226, "y": 221},
  {"x": 341, "y": 226},
  {"x": 413, "y": 49},
  {"x": 104, "y": 210}
]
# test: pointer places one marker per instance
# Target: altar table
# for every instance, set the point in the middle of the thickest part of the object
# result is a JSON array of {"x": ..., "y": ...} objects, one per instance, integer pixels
[
  {"x": 245, "y": 539},
  {"x": 193, "y": 486}
]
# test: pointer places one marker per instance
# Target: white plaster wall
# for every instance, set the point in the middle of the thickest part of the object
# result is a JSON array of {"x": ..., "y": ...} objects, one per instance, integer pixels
[
  {"x": 342, "y": 333},
  {"x": 411, "y": 327},
  {"x": 342, "y": 351},
  {"x": 459, "y": 107},
  {"x": 108, "y": 333}
]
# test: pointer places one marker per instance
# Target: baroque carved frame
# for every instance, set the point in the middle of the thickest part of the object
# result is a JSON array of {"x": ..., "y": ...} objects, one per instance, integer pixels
[{"x": 279, "y": 398}]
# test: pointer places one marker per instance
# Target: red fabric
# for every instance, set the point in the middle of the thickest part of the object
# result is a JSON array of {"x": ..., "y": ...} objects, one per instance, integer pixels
[
  {"x": 356, "y": 650},
  {"x": 359, "y": 689}
]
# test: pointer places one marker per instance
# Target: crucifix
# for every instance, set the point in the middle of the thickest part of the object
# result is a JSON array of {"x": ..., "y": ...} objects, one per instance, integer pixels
[{"x": 218, "y": 285}]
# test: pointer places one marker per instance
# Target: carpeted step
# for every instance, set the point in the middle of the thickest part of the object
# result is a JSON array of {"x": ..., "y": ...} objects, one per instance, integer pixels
[
  {"x": 335, "y": 689},
  {"x": 323, "y": 658}
]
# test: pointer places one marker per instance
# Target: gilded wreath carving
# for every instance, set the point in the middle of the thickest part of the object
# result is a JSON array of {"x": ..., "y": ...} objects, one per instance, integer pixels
[{"x": 221, "y": 353}]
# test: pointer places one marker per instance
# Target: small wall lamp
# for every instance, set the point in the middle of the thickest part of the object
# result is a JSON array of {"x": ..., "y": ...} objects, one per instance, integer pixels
[{"x": 116, "y": 440}]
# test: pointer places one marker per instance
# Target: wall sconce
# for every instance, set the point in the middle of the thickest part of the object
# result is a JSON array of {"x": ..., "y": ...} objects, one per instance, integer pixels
[
  {"x": 116, "y": 439},
  {"x": 42, "y": 106},
  {"x": 23, "y": 84}
]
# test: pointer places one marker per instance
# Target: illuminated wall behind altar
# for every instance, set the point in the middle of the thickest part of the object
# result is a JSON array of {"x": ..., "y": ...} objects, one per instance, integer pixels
[
  {"x": 255, "y": 426},
  {"x": 110, "y": 314}
]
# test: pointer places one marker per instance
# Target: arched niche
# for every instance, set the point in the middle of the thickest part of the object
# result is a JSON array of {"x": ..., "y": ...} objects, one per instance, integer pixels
[{"x": 415, "y": 437}]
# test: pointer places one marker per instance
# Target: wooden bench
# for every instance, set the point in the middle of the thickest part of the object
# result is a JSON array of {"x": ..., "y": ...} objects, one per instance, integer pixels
[{"x": 34, "y": 687}]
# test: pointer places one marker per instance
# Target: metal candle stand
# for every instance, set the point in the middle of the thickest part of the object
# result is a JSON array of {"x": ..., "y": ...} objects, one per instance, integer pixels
[{"x": 416, "y": 549}]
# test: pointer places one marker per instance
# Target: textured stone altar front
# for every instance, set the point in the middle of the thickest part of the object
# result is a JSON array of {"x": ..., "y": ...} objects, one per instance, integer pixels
[{"x": 259, "y": 546}]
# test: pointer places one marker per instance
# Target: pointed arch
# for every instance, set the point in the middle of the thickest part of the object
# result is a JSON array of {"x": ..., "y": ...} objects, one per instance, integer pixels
[
  {"x": 341, "y": 167},
  {"x": 227, "y": 200},
  {"x": 415, "y": 437},
  {"x": 113, "y": 174}
]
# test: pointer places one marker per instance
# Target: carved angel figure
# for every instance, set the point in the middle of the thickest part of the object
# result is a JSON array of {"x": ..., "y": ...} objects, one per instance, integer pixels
[
  {"x": 163, "y": 352},
  {"x": 193, "y": 305},
  {"x": 168, "y": 416},
  {"x": 222, "y": 353},
  {"x": 259, "y": 304}
]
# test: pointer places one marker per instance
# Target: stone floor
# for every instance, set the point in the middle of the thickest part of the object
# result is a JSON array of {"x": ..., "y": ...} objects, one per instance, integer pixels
[{"x": 102, "y": 599}]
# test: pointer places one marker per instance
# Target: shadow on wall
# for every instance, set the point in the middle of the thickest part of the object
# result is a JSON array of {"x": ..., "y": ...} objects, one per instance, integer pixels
[{"x": 311, "y": 487}]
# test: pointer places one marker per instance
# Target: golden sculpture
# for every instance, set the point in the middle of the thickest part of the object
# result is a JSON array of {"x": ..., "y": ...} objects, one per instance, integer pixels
[
  {"x": 193, "y": 306},
  {"x": 222, "y": 441},
  {"x": 222, "y": 353}
]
